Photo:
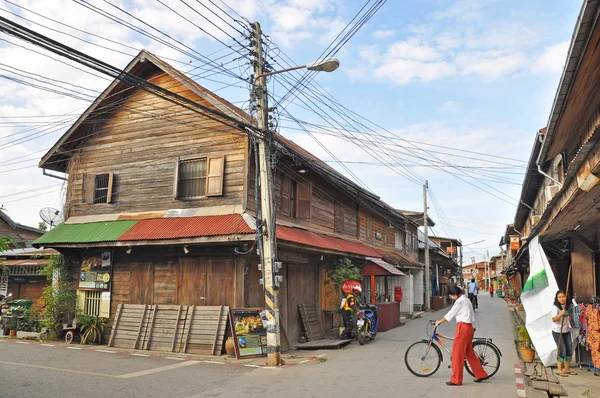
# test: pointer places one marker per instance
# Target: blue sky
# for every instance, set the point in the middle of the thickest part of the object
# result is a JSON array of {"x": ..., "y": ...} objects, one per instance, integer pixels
[{"x": 476, "y": 76}]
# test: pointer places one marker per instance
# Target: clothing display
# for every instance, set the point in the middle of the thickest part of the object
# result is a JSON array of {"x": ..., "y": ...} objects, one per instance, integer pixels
[{"x": 589, "y": 330}]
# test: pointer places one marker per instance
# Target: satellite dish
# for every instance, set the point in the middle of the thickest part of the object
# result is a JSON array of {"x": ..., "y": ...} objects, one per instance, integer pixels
[{"x": 51, "y": 216}]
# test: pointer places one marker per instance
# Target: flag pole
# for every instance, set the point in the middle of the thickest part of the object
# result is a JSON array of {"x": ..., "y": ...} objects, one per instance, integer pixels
[{"x": 562, "y": 321}]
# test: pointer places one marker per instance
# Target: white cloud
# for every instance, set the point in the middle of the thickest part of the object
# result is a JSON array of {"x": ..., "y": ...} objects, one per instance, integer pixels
[
  {"x": 552, "y": 59},
  {"x": 450, "y": 107},
  {"x": 383, "y": 34}
]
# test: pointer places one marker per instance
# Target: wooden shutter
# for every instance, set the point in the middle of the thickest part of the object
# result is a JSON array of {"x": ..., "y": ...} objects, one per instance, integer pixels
[
  {"x": 176, "y": 181},
  {"x": 110, "y": 188},
  {"x": 80, "y": 300},
  {"x": 338, "y": 216},
  {"x": 214, "y": 174},
  {"x": 89, "y": 184},
  {"x": 369, "y": 228},
  {"x": 105, "y": 306},
  {"x": 303, "y": 196},
  {"x": 286, "y": 183}
]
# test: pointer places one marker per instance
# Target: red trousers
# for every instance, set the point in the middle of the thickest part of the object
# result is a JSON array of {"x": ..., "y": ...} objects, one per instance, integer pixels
[{"x": 461, "y": 349}]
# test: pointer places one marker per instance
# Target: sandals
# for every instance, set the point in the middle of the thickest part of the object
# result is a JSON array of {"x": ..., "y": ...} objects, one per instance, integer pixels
[
  {"x": 562, "y": 374},
  {"x": 570, "y": 372}
]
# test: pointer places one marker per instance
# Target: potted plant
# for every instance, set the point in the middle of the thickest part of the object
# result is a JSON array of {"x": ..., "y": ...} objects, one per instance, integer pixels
[
  {"x": 525, "y": 344},
  {"x": 91, "y": 328}
]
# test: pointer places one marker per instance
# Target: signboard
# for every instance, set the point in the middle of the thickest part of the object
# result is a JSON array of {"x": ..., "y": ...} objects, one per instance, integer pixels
[
  {"x": 95, "y": 270},
  {"x": 515, "y": 243},
  {"x": 349, "y": 285},
  {"x": 249, "y": 331}
]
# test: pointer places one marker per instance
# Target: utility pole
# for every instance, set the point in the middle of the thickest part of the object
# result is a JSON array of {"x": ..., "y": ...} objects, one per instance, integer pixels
[
  {"x": 487, "y": 269},
  {"x": 426, "y": 276},
  {"x": 268, "y": 250}
]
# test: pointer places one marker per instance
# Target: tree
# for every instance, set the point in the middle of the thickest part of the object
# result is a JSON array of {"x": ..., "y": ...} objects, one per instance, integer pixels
[
  {"x": 58, "y": 299},
  {"x": 339, "y": 272},
  {"x": 43, "y": 226}
]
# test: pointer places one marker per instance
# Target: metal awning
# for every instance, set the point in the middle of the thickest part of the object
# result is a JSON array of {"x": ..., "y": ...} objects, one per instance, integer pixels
[{"x": 386, "y": 266}]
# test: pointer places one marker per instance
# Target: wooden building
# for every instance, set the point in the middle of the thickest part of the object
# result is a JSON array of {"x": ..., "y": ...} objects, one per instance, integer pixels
[
  {"x": 20, "y": 235},
  {"x": 22, "y": 274},
  {"x": 161, "y": 206},
  {"x": 560, "y": 194}
]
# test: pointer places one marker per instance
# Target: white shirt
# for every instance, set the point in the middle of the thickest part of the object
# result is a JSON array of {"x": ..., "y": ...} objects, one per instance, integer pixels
[
  {"x": 472, "y": 288},
  {"x": 566, "y": 325},
  {"x": 462, "y": 310}
]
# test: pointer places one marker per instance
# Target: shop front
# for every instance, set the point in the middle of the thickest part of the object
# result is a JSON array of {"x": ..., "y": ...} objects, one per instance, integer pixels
[{"x": 378, "y": 288}]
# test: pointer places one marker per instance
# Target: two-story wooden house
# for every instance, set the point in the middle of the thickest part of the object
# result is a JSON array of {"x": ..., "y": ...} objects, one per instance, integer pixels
[{"x": 161, "y": 206}]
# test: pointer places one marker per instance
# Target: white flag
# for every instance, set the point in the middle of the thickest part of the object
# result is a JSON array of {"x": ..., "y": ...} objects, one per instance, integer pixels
[{"x": 538, "y": 298}]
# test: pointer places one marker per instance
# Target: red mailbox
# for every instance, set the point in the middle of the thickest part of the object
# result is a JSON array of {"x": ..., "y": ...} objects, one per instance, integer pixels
[{"x": 397, "y": 293}]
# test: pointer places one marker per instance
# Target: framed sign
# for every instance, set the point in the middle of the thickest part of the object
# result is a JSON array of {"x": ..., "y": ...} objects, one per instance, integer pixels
[
  {"x": 349, "y": 285},
  {"x": 95, "y": 270},
  {"x": 249, "y": 332}
]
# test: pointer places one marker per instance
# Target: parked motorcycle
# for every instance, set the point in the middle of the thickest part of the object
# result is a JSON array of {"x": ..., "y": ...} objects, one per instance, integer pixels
[{"x": 366, "y": 323}]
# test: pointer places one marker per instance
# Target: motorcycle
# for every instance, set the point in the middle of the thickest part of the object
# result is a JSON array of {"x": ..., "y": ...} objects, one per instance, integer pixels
[{"x": 366, "y": 323}]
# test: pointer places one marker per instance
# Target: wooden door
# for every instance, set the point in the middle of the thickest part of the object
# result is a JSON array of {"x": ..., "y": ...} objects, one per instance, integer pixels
[
  {"x": 142, "y": 283},
  {"x": 191, "y": 281},
  {"x": 220, "y": 281},
  {"x": 302, "y": 287}
]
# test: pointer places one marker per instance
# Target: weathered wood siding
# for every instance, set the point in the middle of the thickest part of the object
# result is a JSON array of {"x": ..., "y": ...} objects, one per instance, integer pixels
[{"x": 141, "y": 142}]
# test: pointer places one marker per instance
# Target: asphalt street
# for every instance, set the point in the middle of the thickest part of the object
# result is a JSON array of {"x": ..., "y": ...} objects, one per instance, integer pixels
[{"x": 377, "y": 368}]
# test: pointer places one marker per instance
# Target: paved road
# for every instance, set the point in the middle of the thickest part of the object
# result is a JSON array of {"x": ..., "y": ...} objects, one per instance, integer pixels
[{"x": 376, "y": 368}]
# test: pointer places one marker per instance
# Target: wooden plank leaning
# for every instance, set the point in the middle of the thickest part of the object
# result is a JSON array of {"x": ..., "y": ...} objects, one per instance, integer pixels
[
  {"x": 175, "y": 331},
  {"x": 137, "y": 339},
  {"x": 113, "y": 332},
  {"x": 217, "y": 330},
  {"x": 150, "y": 326},
  {"x": 189, "y": 326}
]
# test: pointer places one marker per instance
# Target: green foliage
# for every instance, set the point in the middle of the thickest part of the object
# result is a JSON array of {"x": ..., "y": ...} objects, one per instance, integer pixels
[
  {"x": 91, "y": 328},
  {"x": 43, "y": 226},
  {"x": 4, "y": 245},
  {"x": 587, "y": 394},
  {"x": 59, "y": 297},
  {"x": 524, "y": 338},
  {"x": 29, "y": 322},
  {"x": 339, "y": 272}
]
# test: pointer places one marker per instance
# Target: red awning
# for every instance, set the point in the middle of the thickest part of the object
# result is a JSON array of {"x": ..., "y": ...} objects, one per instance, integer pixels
[
  {"x": 384, "y": 267},
  {"x": 187, "y": 227},
  {"x": 308, "y": 238}
]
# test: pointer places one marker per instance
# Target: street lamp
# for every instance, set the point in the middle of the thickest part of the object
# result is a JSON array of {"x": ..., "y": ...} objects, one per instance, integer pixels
[
  {"x": 267, "y": 246},
  {"x": 320, "y": 65}
]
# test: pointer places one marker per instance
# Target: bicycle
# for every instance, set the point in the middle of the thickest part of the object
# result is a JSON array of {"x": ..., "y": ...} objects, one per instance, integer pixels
[{"x": 428, "y": 356}]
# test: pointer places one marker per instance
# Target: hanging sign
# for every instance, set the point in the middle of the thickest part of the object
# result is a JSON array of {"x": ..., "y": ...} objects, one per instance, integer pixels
[
  {"x": 515, "y": 243},
  {"x": 348, "y": 286}
]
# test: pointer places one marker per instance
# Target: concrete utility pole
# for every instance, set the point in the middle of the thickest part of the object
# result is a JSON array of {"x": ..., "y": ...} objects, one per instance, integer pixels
[
  {"x": 487, "y": 268},
  {"x": 426, "y": 275},
  {"x": 269, "y": 251}
]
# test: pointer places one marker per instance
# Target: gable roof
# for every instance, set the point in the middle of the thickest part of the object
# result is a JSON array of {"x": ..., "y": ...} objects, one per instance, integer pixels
[
  {"x": 16, "y": 226},
  {"x": 57, "y": 157}
]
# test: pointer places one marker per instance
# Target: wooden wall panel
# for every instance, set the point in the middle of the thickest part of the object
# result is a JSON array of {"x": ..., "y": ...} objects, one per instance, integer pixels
[
  {"x": 165, "y": 283},
  {"x": 583, "y": 273},
  {"x": 191, "y": 281},
  {"x": 255, "y": 291},
  {"x": 142, "y": 283},
  {"x": 220, "y": 285},
  {"x": 121, "y": 280},
  {"x": 140, "y": 144},
  {"x": 302, "y": 287}
]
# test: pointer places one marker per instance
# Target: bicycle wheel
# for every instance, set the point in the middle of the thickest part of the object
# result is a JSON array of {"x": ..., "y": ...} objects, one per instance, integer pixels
[
  {"x": 489, "y": 356},
  {"x": 423, "y": 359}
]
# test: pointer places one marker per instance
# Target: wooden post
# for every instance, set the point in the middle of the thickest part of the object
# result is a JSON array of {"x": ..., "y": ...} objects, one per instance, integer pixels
[
  {"x": 176, "y": 327},
  {"x": 150, "y": 326},
  {"x": 189, "y": 327},
  {"x": 373, "y": 289},
  {"x": 217, "y": 330}
]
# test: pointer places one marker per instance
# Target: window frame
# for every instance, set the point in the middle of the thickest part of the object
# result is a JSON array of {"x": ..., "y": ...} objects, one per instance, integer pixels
[
  {"x": 90, "y": 188},
  {"x": 211, "y": 174}
]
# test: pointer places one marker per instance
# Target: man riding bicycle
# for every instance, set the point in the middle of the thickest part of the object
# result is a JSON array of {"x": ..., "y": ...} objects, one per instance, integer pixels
[{"x": 473, "y": 290}]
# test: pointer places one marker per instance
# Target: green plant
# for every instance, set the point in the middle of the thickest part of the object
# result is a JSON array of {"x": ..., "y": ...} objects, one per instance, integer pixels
[
  {"x": 59, "y": 297},
  {"x": 587, "y": 394},
  {"x": 29, "y": 322},
  {"x": 339, "y": 272},
  {"x": 524, "y": 338},
  {"x": 91, "y": 328}
]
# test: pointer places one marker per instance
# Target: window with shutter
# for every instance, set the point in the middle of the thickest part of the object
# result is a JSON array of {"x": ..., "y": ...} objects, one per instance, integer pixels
[
  {"x": 199, "y": 177},
  {"x": 369, "y": 228},
  {"x": 285, "y": 194},
  {"x": 338, "y": 217},
  {"x": 303, "y": 200},
  {"x": 97, "y": 188},
  {"x": 398, "y": 240}
]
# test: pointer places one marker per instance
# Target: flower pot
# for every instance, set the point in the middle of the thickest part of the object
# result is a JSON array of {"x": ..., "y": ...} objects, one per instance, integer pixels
[
  {"x": 229, "y": 348},
  {"x": 12, "y": 333},
  {"x": 527, "y": 354}
]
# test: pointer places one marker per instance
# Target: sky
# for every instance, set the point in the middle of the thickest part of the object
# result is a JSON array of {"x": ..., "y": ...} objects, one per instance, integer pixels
[{"x": 448, "y": 91}]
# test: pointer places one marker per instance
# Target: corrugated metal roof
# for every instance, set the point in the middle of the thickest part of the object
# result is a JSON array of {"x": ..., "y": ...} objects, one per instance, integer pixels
[
  {"x": 38, "y": 261},
  {"x": 187, "y": 227},
  {"x": 309, "y": 238},
  {"x": 106, "y": 231},
  {"x": 27, "y": 252},
  {"x": 386, "y": 266}
]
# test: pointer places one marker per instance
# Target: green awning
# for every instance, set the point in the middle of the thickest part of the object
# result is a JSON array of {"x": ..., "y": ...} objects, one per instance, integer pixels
[{"x": 105, "y": 231}]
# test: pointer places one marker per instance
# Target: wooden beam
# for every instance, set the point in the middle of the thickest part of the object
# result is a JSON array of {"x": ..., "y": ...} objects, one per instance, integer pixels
[
  {"x": 176, "y": 327},
  {"x": 150, "y": 326},
  {"x": 189, "y": 324},
  {"x": 137, "y": 339},
  {"x": 217, "y": 330},
  {"x": 111, "y": 340},
  {"x": 593, "y": 246}
]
